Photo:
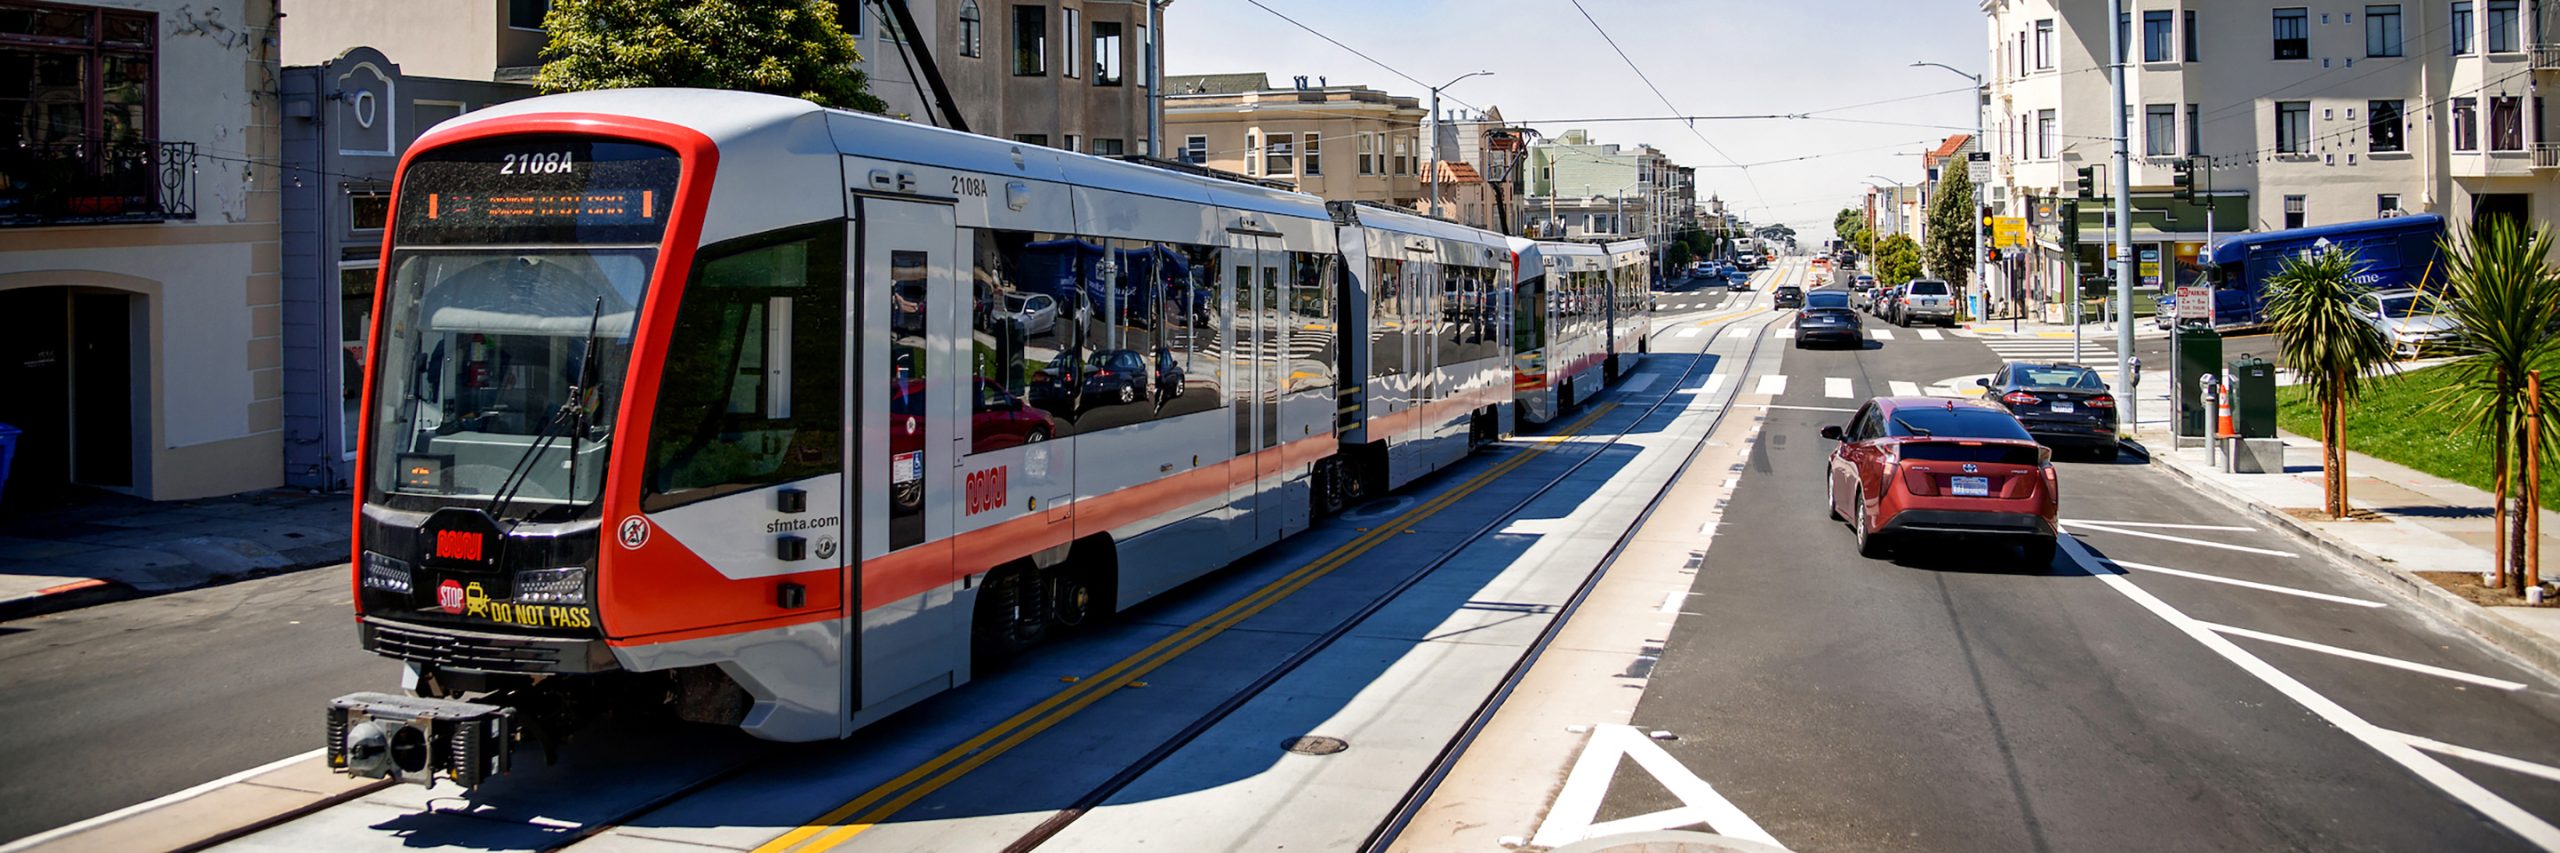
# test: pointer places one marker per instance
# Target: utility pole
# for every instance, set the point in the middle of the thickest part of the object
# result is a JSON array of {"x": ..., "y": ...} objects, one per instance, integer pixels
[
  {"x": 1155, "y": 77},
  {"x": 2127, "y": 266},
  {"x": 1433, "y": 170}
]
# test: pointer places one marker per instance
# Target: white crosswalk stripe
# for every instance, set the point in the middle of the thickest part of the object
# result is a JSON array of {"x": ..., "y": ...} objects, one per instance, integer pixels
[
  {"x": 1880, "y": 334},
  {"x": 1929, "y": 335},
  {"x": 1772, "y": 385},
  {"x": 1688, "y": 333},
  {"x": 1714, "y": 381},
  {"x": 1738, "y": 332},
  {"x": 1781, "y": 332},
  {"x": 1905, "y": 389},
  {"x": 1833, "y": 386}
]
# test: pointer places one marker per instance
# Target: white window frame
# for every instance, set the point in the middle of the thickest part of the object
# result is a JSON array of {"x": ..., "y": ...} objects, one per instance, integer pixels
[{"x": 1308, "y": 156}]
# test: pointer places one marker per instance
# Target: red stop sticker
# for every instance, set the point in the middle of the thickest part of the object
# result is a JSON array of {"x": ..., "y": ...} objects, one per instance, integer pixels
[{"x": 449, "y": 596}]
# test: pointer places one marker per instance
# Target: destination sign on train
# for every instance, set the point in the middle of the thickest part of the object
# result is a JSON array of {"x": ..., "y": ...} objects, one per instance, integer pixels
[{"x": 584, "y": 207}]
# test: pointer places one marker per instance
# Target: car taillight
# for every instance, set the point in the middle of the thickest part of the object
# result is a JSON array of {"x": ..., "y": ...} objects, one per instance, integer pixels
[
  {"x": 1102, "y": 373},
  {"x": 2102, "y": 401},
  {"x": 1919, "y": 483},
  {"x": 2020, "y": 398}
]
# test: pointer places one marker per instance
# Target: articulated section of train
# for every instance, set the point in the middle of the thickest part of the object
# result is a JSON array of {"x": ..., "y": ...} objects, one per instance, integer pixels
[{"x": 788, "y": 418}]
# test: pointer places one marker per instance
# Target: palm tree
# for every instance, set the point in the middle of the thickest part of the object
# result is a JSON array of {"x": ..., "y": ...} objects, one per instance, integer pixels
[
  {"x": 2311, "y": 306},
  {"x": 2506, "y": 300}
]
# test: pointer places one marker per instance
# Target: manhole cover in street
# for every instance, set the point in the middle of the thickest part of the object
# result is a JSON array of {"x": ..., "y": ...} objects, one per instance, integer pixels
[{"x": 1316, "y": 745}]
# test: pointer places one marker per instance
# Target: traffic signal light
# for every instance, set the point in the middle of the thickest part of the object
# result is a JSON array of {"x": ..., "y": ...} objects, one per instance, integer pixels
[
  {"x": 1992, "y": 255},
  {"x": 2183, "y": 176},
  {"x": 2088, "y": 183},
  {"x": 1986, "y": 223}
]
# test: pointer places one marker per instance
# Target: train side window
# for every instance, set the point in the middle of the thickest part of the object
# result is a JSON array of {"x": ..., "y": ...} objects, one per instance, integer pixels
[
  {"x": 1202, "y": 343},
  {"x": 753, "y": 390},
  {"x": 909, "y": 396},
  {"x": 1386, "y": 317},
  {"x": 1310, "y": 312},
  {"x": 1038, "y": 290}
]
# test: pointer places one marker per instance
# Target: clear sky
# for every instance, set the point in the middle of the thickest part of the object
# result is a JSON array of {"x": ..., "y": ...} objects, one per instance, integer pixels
[{"x": 1709, "y": 57}]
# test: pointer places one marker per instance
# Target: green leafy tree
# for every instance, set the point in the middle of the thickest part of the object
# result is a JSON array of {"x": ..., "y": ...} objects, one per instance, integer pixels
[
  {"x": 1897, "y": 259},
  {"x": 1951, "y": 225},
  {"x": 1680, "y": 255},
  {"x": 1851, "y": 224},
  {"x": 2311, "y": 307},
  {"x": 2505, "y": 298},
  {"x": 781, "y": 47}
]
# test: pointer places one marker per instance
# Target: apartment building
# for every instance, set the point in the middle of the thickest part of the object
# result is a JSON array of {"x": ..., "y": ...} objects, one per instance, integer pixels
[
  {"x": 1073, "y": 74},
  {"x": 1581, "y": 188},
  {"x": 140, "y": 330},
  {"x": 1345, "y": 143},
  {"x": 2299, "y": 113}
]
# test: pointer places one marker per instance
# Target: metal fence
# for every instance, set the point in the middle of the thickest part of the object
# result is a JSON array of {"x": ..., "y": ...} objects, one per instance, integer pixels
[{"x": 91, "y": 182}]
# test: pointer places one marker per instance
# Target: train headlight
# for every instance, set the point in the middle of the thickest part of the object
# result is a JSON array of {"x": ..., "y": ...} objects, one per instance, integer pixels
[
  {"x": 385, "y": 573},
  {"x": 552, "y": 586}
]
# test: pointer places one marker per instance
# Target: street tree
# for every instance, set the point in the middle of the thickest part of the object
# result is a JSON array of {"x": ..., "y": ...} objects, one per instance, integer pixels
[
  {"x": 2311, "y": 307},
  {"x": 1897, "y": 259},
  {"x": 781, "y": 47},
  {"x": 1951, "y": 225},
  {"x": 1680, "y": 254},
  {"x": 2504, "y": 298}
]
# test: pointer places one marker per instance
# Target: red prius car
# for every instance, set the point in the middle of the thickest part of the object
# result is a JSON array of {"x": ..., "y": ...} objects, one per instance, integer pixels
[{"x": 1929, "y": 467}]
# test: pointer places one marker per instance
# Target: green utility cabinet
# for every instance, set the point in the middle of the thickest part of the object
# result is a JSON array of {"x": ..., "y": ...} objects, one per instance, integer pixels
[
  {"x": 2199, "y": 349},
  {"x": 2253, "y": 406}
]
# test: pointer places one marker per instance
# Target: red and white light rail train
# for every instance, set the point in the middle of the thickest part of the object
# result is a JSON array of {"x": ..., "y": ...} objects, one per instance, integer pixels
[{"x": 797, "y": 415}]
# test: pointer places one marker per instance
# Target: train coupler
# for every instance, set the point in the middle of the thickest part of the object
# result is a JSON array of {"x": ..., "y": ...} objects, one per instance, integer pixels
[{"x": 415, "y": 739}]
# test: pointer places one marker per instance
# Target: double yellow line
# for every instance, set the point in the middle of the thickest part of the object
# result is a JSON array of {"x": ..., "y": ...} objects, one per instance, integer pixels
[{"x": 853, "y": 818}]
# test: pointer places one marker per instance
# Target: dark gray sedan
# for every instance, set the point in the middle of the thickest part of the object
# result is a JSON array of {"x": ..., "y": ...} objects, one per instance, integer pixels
[{"x": 2062, "y": 405}]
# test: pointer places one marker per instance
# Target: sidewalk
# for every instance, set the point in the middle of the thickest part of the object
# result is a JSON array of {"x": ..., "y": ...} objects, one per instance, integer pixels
[
  {"x": 2423, "y": 523},
  {"x": 2142, "y": 330},
  {"x": 105, "y": 547}
]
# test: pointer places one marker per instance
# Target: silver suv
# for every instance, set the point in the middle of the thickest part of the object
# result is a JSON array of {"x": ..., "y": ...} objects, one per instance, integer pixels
[{"x": 1927, "y": 299}]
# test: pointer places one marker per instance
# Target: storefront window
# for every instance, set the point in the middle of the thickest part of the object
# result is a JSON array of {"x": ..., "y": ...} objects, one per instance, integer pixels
[{"x": 355, "y": 328}]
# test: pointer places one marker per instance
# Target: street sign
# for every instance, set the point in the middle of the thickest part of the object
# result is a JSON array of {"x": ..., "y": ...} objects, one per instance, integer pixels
[
  {"x": 1977, "y": 156},
  {"x": 2195, "y": 302},
  {"x": 2009, "y": 232}
]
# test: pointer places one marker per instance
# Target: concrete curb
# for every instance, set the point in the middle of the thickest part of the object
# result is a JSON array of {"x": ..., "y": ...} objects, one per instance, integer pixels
[
  {"x": 70, "y": 596},
  {"x": 2535, "y": 650}
]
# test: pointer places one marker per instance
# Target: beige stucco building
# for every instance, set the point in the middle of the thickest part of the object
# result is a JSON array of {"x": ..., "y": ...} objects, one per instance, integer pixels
[
  {"x": 2303, "y": 112},
  {"x": 1067, "y": 73},
  {"x": 1345, "y": 143},
  {"x": 139, "y": 258}
]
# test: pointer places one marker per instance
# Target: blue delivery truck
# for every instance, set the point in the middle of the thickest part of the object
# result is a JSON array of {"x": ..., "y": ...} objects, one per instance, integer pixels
[{"x": 2400, "y": 251}]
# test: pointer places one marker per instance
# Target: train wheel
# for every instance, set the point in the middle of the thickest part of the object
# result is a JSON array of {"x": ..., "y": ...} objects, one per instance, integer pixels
[
  {"x": 1011, "y": 615},
  {"x": 1078, "y": 600},
  {"x": 1333, "y": 488}
]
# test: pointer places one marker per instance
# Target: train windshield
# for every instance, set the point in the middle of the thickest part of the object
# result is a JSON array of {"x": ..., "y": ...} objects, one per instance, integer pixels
[{"x": 516, "y": 280}]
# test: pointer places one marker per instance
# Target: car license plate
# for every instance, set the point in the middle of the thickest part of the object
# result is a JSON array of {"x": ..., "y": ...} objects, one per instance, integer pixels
[
  {"x": 1970, "y": 487},
  {"x": 2063, "y": 408}
]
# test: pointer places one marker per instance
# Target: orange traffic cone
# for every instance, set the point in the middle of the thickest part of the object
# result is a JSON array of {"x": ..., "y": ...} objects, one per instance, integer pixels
[{"x": 2222, "y": 425}]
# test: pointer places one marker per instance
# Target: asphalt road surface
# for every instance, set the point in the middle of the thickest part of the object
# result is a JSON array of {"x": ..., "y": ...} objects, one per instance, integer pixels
[
  {"x": 112, "y": 705},
  {"x": 1951, "y": 699}
]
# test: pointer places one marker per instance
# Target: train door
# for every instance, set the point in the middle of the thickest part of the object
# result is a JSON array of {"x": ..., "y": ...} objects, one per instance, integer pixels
[
  {"x": 1256, "y": 265},
  {"x": 909, "y": 631}
]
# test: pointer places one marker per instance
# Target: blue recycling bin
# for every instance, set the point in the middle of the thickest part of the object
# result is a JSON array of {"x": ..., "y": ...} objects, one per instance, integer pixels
[{"x": 8, "y": 448}]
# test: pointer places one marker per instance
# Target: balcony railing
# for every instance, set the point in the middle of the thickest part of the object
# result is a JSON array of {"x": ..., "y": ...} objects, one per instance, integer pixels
[
  {"x": 90, "y": 182},
  {"x": 2546, "y": 57},
  {"x": 2546, "y": 155}
]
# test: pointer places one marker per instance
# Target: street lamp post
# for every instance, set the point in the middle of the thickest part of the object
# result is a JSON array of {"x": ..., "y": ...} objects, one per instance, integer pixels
[
  {"x": 1979, "y": 269},
  {"x": 1434, "y": 141}
]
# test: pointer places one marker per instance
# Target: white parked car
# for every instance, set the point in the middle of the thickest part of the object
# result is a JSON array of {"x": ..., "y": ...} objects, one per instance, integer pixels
[
  {"x": 1038, "y": 312},
  {"x": 2414, "y": 322}
]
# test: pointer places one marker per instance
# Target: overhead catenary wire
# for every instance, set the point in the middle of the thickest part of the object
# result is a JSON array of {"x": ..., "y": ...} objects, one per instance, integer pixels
[{"x": 1754, "y": 183}]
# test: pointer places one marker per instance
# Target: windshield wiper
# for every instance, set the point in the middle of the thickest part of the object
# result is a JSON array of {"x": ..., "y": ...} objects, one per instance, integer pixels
[
  {"x": 1915, "y": 430},
  {"x": 572, "y": 410}
]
